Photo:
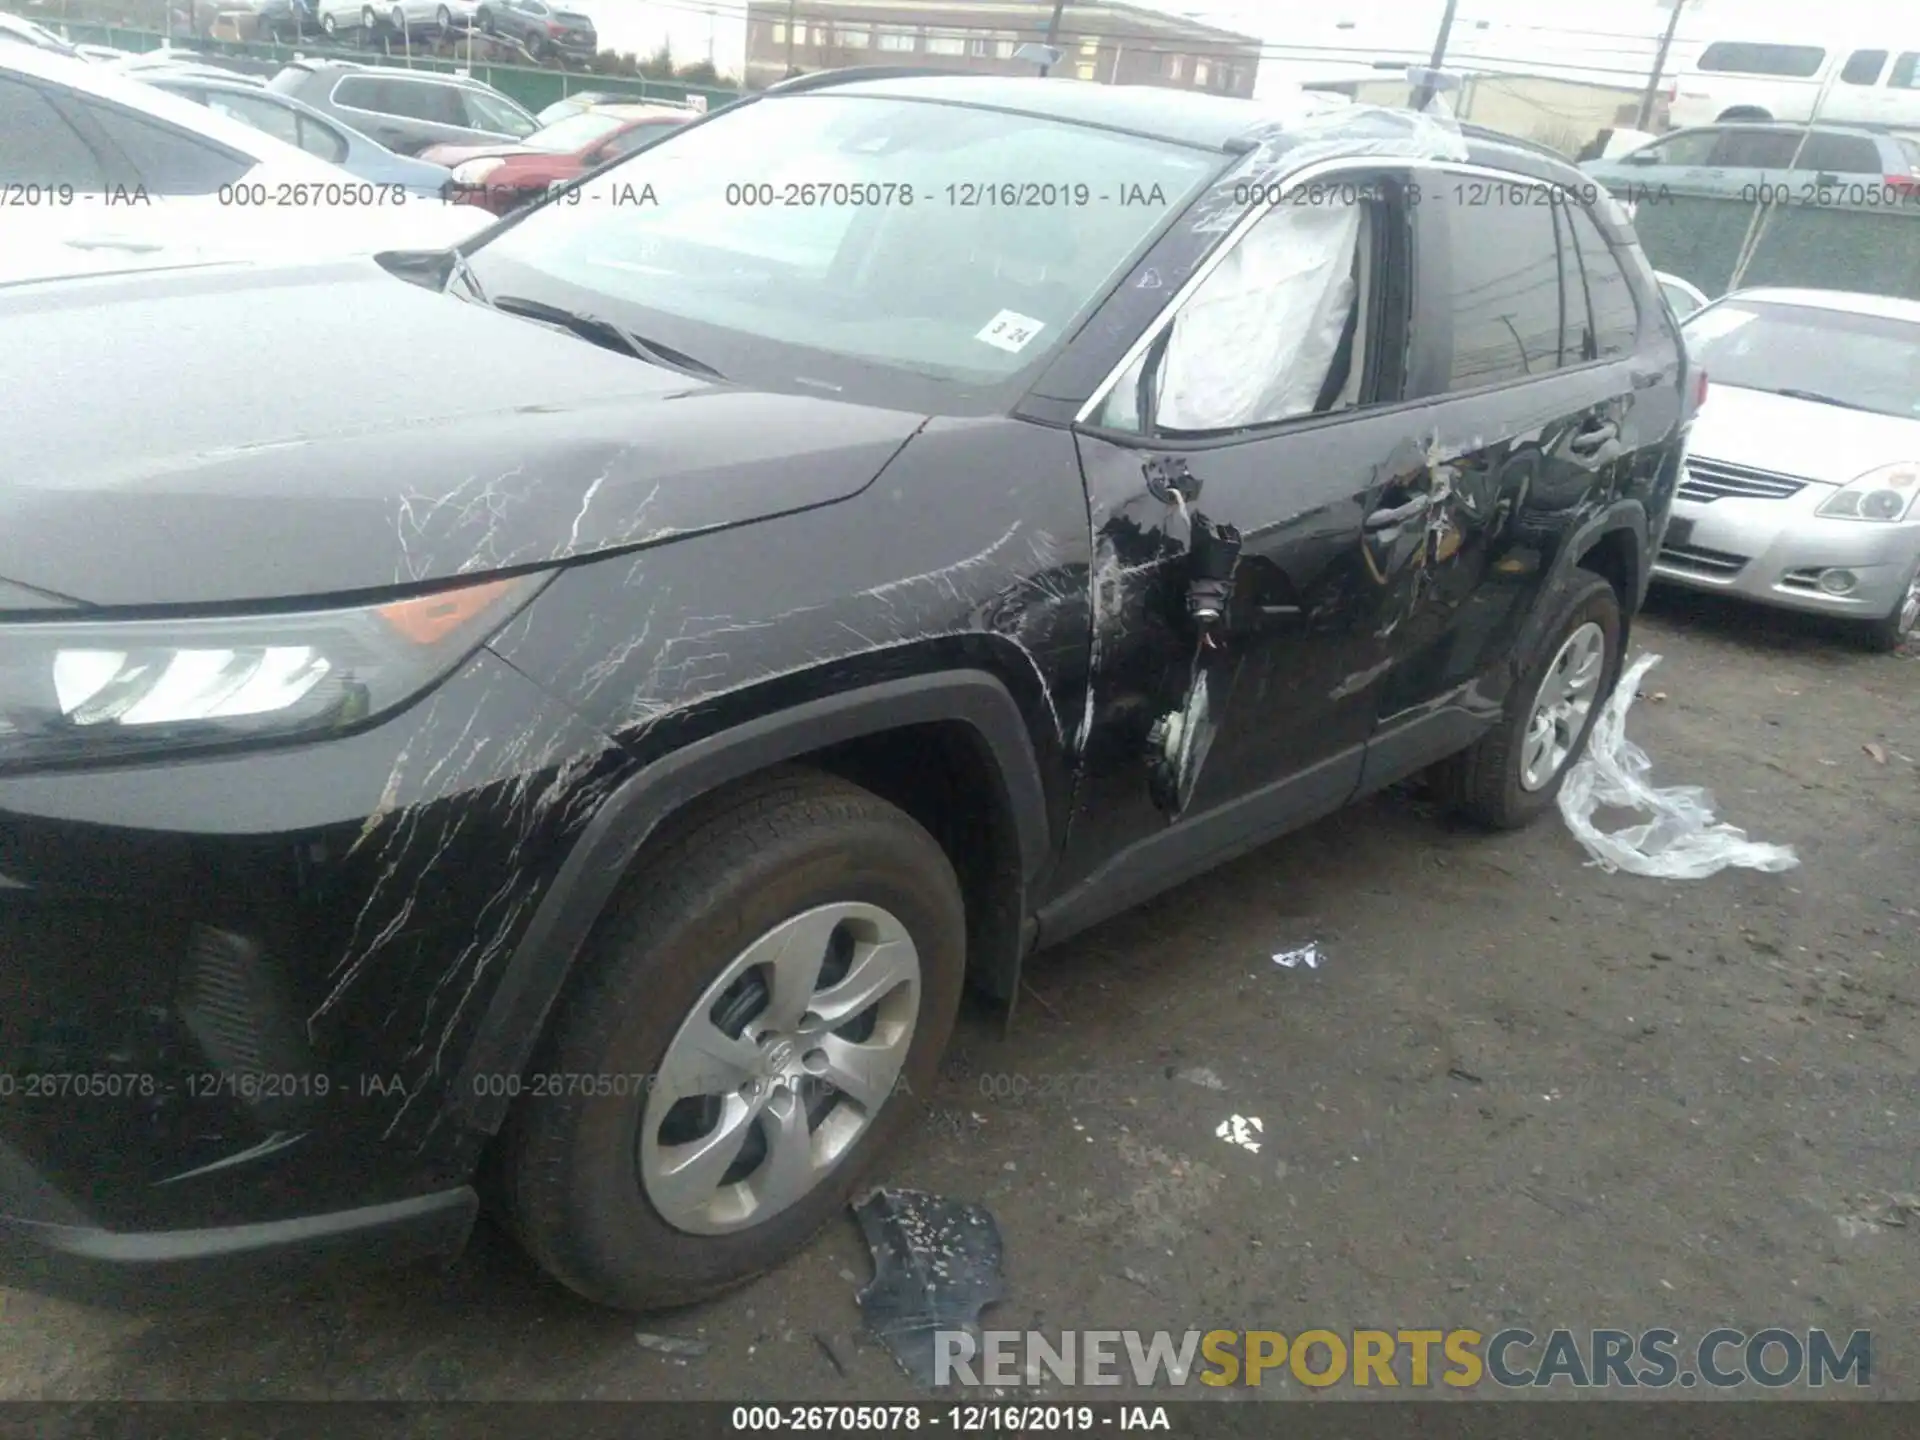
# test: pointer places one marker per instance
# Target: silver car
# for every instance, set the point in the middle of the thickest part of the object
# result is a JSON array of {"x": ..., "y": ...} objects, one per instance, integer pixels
[{"x": 1803, "y": 467}]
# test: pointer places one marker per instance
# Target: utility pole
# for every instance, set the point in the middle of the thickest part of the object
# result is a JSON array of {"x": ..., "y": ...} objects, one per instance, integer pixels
[
  {"x": 1659, "y": 68},
  {"x": 1053, "y": 29},
  {"x": 1423, "y": 94},
  {"x": 792, "y": 5}
]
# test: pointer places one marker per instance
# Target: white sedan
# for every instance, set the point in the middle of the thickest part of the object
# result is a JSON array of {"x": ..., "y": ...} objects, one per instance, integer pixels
[
  {"x": 1801, "y": 487},
  {"x": 148, "y": 179}
]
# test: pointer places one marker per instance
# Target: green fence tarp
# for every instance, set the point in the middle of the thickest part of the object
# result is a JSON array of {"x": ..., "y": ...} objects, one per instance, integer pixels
[{"x": 1699, "y": 238}]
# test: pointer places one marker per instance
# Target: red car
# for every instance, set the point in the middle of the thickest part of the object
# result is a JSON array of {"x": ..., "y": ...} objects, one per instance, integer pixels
[{"x": 504, "y": 177}]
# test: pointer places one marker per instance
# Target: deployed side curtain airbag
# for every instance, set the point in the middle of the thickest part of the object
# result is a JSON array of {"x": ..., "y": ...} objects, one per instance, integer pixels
[{"x": 1254, "y": 345}]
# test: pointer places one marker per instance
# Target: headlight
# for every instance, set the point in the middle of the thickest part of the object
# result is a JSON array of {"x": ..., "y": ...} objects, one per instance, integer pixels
[
  {"x": 475, "y": 172},
  {"x": 106, "y": 689},
  {"x": 1883, "y": 494}
]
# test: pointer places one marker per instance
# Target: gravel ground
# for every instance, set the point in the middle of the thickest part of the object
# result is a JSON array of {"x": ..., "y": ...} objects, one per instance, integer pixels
[{"x": 1517, "y": 1091}]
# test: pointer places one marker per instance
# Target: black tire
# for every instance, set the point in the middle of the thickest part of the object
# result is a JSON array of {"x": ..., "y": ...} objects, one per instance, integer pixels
[
  {"x": 1482, "y": 783},
  {"x": 1747, "y": 113},
  {"x": 735, "y": 867},
  {"x": 1892, "y": 630},
  {"x": 485, "y": 18}
]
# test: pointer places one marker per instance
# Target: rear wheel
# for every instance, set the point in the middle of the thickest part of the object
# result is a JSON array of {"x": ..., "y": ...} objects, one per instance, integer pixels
[
  {"x": 1746, "y": 112},
  {"x": 756, "y": 1013},
  {"x": 1513, "y": 774},
  {"x": 326, "y": 26},
  {"x": 1898, "y": 625}
]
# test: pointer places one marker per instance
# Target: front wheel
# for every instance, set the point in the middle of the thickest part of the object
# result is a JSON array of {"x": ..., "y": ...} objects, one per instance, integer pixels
[
  {"x": 327, "y": 26},
  {"x": 753, "y": 1020},
  {"x": 1512, "y": 775},
  {"x": 444, "y": 20},
  {"x": 1898, "y": 625}
]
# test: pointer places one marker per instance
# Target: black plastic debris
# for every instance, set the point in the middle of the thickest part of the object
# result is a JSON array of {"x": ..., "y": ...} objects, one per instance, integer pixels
[{"x": 936, "y": 1266}]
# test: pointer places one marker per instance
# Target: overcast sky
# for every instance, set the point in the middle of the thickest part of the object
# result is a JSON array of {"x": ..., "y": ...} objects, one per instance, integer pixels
[{"x": 1626, "y": 31}]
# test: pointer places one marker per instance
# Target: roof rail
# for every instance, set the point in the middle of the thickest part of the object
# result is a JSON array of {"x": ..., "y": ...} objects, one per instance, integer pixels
[{"x": 855, "y": 74}]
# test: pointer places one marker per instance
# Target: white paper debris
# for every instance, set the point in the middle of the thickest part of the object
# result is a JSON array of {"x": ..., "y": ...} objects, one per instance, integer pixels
[
  {"x": 1011, "y": 331},
  {"x": 1241, "y": 1130},
  {"x": 1682, "y": 841},
  {"x": 1307, "y": 955},
  {"x": 1202, "y": 1077}
]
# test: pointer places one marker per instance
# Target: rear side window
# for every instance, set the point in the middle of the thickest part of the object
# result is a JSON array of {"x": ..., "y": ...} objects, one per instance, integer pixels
[
  {"x": 411, "y": 99},
  {"x": 38, "y": 146},
  {"x": 1741, "y": 57},
  {"x": 1506, "y": 289},
  {"x": 1616, "y": 316},
  {"x": 1748, "y": 148},
  {"x": 1840, "y": 154},
  {"x": 1903, "y": 76},
  {"x": 1863, "y": 67},
  {"x": 168, "y": 161}
]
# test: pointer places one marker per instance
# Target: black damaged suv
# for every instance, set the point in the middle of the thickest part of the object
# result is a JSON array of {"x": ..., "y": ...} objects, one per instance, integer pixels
[{"x": 883, "y": 529}]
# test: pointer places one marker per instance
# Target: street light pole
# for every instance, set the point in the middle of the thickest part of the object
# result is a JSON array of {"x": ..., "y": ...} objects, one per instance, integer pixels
[
  {"x": 1659, "y": 68},
  {"x": 1423, "y": 94},
  {"x": 1053, "y": 29}
]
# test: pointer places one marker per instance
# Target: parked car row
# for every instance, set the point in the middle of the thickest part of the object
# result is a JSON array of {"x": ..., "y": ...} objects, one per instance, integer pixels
[
  {"x": 106, "y": 172},
  {"x": 1773, "y": 163}
]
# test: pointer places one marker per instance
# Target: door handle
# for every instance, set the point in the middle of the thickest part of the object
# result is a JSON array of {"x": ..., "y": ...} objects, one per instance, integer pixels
[
  {"x": 1399, "y": 514},
  {"x": 1593, "y": 438},
  {"x": 1823, "y": 178},
  {"x": 1647, "y": 379}
]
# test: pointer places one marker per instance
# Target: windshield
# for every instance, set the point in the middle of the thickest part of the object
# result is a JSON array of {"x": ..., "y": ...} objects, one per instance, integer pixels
[
  {"x": 576, "y": 132},
  {"x": 958, "y": 243},
  {"x": 1869, "y": 361}
]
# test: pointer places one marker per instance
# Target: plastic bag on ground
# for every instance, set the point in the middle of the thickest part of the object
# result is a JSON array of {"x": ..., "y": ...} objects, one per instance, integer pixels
[{"x": 1682, "y": 840}]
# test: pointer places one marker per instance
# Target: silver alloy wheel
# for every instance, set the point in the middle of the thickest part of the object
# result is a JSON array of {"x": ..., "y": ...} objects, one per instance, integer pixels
[
  {"x": 326, "y": 23},
  {"x": 780, "y": 1068},
  {"x": 1561, "y": 706}
]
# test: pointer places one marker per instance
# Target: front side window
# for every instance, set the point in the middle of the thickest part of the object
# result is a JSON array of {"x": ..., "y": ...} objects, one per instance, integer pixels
[
  {"x": 1867, "y": 361},
  {"x": 1277, "y": 331},
  {"x": 897, "y": 231},
  {"x": 1747, "y": 147},
  {"x": 262, "y": 115},
  {"x": 1740, "y": 57},
  {"x": 322, "y": 140},
  {"x": 490, "y": 112},
  {"x": 1905, "y": 70},
  {"x": 1616, "y": 315},
  {"x": 1505, "y": 303},
  {"x": 1689, "y": 147}
]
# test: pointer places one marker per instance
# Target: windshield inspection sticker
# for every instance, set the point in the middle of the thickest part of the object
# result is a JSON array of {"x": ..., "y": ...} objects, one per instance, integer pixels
[{"x": 1011, "y": 331}]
